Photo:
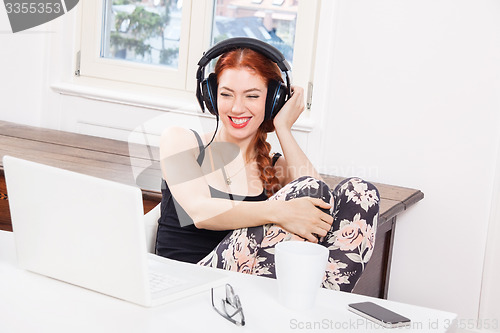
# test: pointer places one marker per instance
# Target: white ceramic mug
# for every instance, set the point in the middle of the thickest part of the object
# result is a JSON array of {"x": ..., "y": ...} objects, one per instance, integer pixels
[{"x": 300, "y": 269}]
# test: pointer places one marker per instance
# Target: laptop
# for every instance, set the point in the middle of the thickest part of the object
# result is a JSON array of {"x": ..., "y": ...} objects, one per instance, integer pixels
[{"x": 89, "y": 232}]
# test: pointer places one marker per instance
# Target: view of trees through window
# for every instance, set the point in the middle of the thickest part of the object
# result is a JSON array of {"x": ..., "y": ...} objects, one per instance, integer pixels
[
  {"x": 149, "y": 31},
  {"x": 144, "y": 31}
]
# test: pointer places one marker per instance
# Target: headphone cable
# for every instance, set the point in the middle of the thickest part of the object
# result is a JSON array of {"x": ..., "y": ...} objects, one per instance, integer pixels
[{"x": 215, "y": 133}]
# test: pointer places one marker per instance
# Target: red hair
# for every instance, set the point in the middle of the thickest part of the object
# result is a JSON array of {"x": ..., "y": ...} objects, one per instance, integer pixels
[{"x": 268, "y": 70}]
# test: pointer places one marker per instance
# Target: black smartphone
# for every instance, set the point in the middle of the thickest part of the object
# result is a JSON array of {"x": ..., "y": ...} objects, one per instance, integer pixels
[{"x": 379, "y": 314}]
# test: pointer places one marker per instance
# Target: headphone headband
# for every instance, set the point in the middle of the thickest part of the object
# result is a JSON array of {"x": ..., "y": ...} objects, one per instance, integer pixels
[{"x": 245, "y": 43}]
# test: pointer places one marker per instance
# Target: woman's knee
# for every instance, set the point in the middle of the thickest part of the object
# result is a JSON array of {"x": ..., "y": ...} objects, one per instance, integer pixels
[
  {"x": 358, "y": 191},
  {"x": 308, "y": 186}
]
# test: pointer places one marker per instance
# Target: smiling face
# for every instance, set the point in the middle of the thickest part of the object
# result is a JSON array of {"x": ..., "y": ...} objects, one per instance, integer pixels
[{"x": 241, "y": 100}]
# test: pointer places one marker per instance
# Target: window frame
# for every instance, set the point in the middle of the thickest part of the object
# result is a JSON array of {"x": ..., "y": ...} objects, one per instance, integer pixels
[{"x": 121, "y": 76}]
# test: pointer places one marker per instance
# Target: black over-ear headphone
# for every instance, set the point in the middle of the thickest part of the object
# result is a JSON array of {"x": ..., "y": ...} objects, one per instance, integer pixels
[{"x": 277, "y": 92}]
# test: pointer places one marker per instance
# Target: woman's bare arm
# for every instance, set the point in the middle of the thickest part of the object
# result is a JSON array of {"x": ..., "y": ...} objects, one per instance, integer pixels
[
  {"x": 295, "y": 162},
  {"x": 187, "y": 182}
]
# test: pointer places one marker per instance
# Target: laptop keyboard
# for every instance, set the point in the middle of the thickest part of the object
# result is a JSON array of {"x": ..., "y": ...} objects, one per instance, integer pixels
[{"x": 160, "y": 282}]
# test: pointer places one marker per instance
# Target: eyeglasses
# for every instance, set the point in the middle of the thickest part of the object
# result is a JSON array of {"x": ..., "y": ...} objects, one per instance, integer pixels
[{"x": 232, "y": 301}]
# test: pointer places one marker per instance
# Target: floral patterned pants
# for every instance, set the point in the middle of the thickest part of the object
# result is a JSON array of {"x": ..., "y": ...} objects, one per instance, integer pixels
[{"x": 355, "y": 207}]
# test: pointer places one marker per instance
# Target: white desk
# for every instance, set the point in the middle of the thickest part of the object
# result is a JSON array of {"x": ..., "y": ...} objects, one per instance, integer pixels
[{"x": 34, "y": 303}]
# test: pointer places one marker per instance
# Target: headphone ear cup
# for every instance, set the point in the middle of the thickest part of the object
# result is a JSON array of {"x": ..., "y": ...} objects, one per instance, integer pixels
[
  {"x": 276, "y": 98},
  {"x": 209, "y": 93}
]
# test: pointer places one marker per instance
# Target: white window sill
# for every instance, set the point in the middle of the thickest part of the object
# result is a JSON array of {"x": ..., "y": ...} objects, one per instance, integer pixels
[{"x": 150, "y": 98}]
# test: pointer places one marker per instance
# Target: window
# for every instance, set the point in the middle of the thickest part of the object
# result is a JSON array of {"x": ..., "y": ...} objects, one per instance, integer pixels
[{"x": 157, "y": 43}]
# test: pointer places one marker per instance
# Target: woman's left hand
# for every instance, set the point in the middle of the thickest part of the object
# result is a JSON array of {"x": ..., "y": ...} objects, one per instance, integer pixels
[{"x": 291, "y": 111}]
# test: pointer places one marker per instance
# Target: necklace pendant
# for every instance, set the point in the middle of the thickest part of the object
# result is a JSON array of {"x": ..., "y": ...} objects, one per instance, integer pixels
[{"x": 228, "y": 181}]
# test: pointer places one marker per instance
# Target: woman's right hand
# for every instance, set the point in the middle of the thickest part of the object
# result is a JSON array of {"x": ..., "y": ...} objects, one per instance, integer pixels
[
  {"x": 303, "y": 217},
  {"x": 291, "y": 111}
]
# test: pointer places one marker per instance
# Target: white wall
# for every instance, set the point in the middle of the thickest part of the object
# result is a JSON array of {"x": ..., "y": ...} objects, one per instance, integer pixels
[
  {"x": 406, "y": 93},
  {"x": 414, "y": 91},
  {"x": 23, "y": 70},
  {"x": 426, "y": 75},
  {"x": 490, "y": 292}
]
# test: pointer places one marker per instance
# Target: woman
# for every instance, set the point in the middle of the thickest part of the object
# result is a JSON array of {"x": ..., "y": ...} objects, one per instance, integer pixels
[{"x": 228, "y": 205}]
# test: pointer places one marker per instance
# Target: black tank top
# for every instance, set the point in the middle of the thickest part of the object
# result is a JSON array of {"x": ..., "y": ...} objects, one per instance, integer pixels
[{"x": 186, "y": 242}]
